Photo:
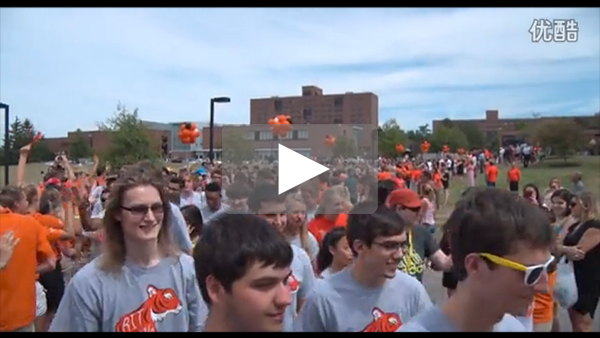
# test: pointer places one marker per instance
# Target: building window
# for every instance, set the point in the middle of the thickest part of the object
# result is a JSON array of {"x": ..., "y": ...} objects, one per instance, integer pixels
[
  {"x": 338, "y": 103},
  {"x": 278, "y": 106},
  {"x": 265, "y": 136},
  {"x": 307, "y": 114},
  {"x": 337, "y": 120},
  {"x": 302, "y": 134}
]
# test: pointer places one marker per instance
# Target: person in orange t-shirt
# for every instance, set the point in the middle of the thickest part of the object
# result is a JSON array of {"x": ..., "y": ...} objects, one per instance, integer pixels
[
  {"x": 543, "y": 306},
  {"x": 513, "y": 176},
  {"x": 491, "y": 174},
  {"x": 17, "y": 280},
  {"x": 328, "y": 216}
]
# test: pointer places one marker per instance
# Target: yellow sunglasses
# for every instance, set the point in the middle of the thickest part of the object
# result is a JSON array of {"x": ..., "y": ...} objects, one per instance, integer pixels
[{"x": 532, "y": 273}]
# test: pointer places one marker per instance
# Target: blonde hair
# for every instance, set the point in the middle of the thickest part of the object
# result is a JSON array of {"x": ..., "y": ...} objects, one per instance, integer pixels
[
  {"x": 290, "y": 201},
  {"x": 590, "y": 206},
  {"x": 340, "y": 191},
  {"x": 114, "y": 247}
]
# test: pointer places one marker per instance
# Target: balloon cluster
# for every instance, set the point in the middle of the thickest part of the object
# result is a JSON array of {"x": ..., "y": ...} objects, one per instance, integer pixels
[
  {"x": 399, "y": 148},
  {"x": 280, "y": 125},
  {"x": 188, "y": 133},
  {"x": 445, "y": 148},
  {"x": 329, "y": 140},
  {"x": 425, "y": 145}
]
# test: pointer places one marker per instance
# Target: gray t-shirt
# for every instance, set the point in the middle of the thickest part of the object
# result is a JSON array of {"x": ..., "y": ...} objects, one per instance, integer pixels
[
  {"x": 313, "y": 245},
  {"x": 163, "y": 298},
  {"x": 340, "y": 304},
  {"x": 179, "y": 230},
  {"x": 301, "y": 282},
  {"x": 419, "y": 246},
  {"x": 434, "y": 320}
]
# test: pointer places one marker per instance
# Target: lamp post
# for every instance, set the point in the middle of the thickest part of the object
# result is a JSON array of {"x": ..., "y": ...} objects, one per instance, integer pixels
[
  {"x": 6, "y": 139},
  {"x": 211, "y": 126}
]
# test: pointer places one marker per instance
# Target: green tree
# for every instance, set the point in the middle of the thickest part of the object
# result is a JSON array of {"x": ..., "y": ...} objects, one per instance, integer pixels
[
  {"x": 235, "y": 148},
  {"x": 416, "y": 137},
  {"x": 451, "y": 136},
  {"x": 130, "y": 141},
  {"x": 344, "y": 147},
  {"x": 80, "y": 146},
  {"x": 390, "y": 135},
  {"x": 475, "y": 136},
  {"x": 563, "y": 137},
  {"x": 22, "y": 132}
]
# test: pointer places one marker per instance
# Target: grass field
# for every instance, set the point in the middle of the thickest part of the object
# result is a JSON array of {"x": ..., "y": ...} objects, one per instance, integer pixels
[{"x": 539, "y": 174}]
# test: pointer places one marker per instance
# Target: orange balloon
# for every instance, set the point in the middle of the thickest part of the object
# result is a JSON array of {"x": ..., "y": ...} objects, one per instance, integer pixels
[{"x": 196, "y": 133}]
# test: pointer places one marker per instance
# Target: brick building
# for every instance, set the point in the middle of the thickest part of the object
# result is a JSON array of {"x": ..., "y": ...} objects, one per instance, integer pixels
[
  {"x": 306, "y": 139},
  {"x": 517, "y": 129},
  {"x": 99, "y": 140},
  {"x": 316, "y": 108}
]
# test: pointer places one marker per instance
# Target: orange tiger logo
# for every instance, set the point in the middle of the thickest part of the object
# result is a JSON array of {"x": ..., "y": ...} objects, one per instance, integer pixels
[
  {"x": 383, "y": 322},
  {"x": 159, "y": 304},
  {"x": 293, "y": 283}
]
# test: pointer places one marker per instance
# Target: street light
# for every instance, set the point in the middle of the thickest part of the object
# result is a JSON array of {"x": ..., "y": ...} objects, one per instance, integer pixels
[
  {"x": 211, "y": 126},
  {"x": 6, "y": 139}
]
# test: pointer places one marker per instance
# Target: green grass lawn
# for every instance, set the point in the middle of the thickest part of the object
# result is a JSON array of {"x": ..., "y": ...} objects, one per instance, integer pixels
[{"x": 539, "y": 174}]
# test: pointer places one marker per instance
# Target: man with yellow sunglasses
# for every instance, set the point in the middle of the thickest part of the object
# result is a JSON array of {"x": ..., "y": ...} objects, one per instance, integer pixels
[{"x": 501, "y": 254}]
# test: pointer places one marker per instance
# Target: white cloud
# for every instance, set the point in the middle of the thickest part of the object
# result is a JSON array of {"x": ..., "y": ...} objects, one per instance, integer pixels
[{"x": 74, "y": 65}]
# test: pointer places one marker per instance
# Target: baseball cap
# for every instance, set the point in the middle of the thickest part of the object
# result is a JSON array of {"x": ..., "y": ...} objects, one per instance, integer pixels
[{"x": 405, "y": 197}]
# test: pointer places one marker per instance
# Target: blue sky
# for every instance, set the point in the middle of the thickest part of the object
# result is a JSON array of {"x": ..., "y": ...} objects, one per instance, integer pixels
[{"x": 68, "y": 68}]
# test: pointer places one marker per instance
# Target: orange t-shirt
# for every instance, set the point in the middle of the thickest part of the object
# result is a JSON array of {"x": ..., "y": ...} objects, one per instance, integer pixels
[
  {"x": 384, "y": 176},
  {"x": 320, "y": 226},
  {"x": 543, "y": 303},
  {"x": 17, "y": 279},
  {"x": 514, "y": 175},
  {"x": 492, "y": 173},
  {"x": 52, "y": 222},
  {"x": 415, "y": 175},
  {"x": 437, "y": 178}
]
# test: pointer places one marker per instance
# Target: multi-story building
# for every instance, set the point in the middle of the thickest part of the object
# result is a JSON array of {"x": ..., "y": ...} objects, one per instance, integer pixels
[
  {"x": 316, "y": 108},
  {"x": 518, "y": 129},
  {"x": 306, "y": 139}
]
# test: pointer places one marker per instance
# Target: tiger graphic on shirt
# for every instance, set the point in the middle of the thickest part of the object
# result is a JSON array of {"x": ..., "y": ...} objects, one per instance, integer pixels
[
  {"x": 293, "y": 283},
  {"x": 160, "y": 303},
  {"x": 383, "y": 322}
]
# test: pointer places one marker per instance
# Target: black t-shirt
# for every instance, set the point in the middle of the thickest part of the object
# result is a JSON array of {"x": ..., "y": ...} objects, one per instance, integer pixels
[
  {"x": 420, "y": 245},
  {"x": 587, "y": 270}
]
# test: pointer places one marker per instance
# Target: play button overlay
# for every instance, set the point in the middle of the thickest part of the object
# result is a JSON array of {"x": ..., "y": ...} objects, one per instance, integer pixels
[{"x": 295, "y": 169}]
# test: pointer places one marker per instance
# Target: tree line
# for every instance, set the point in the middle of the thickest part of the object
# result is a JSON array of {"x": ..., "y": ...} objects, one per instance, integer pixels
[{"x": 130, "y": 141}]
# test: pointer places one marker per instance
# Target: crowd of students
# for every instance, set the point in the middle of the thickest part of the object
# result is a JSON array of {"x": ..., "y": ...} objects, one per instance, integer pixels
[{"x": 219, "y": 249}]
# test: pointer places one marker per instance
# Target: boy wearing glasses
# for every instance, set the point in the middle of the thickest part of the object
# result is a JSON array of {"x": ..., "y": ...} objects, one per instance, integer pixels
[
  {"x": 370, "y": 295},
  {"x": 420, "y": 244},
  {"x": 501, "y": 255}
]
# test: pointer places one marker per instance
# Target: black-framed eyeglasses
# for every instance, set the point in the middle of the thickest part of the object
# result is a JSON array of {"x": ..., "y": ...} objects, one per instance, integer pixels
[
  {"x": 141, "y": 210},
  {"x": 390, "y": 245}
]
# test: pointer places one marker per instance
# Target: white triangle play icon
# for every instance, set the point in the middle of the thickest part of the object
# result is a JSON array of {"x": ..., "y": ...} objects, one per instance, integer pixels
[{"x": 295, "y": 169}]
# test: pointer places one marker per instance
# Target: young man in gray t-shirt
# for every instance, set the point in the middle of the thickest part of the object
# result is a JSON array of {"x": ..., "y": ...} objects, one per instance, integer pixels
[
  {"x": 269, "y": 205},
  {"x": 501, "y": 254},
  {"x": 243, "y": 267},
  {"x": 371, "y": 295}
]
